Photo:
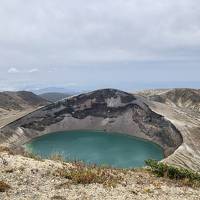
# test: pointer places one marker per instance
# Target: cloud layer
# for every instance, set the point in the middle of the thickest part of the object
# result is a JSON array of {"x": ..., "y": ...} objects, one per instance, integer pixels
[
  {"x": 94, "y": 30},
  {"x": 47, "y": 35}
]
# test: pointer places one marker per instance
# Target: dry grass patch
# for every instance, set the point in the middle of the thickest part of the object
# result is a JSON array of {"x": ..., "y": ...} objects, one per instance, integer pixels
[
  {"x": 89, "y": 174},
  {"x": 58, "y": 198},
  {"x": 6, "y": 149},
  {"x": 4, "y": 186},
  {"x": 32, "y": 156},
  {"x": 57, "y": 157}
]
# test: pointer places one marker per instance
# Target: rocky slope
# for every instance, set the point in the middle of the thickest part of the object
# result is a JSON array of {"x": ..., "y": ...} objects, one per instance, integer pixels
[
  {"x": 20, "y": 100},
  {"x": 183, "y": 98},
  {"x": 108, "y": 110},
  {"x": 14, "y": 105},
  {"x": 182, "y": 108}
]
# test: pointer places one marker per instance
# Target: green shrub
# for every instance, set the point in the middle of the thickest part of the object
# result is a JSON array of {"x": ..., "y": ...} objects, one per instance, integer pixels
[{"x": 172, "y": 172}]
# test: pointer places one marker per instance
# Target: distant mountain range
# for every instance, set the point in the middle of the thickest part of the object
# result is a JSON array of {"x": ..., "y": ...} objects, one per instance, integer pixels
[
  {"x": 56, "y": 90},
  {"x": 54, "y": 96}
]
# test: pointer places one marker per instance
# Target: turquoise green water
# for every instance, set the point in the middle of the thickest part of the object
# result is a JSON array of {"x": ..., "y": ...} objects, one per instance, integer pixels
[{"x": 96, "y": 147}]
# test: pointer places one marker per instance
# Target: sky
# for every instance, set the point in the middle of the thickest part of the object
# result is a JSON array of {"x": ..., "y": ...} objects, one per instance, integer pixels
[{"x": 90, "y": 44}]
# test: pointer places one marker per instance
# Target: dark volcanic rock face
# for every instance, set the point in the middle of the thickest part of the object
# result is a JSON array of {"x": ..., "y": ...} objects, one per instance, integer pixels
[
  {"x": 101, "y": 105},
  {"x": 90, "y": 104}
]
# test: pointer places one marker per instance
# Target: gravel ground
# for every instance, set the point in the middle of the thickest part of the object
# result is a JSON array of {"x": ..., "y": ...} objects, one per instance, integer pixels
[{"x": 32, "y": 179}]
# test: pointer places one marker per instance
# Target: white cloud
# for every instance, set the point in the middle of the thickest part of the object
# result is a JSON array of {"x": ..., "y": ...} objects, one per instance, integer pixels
[
  {"x": 62, "y": 33},
  {"x": 13, "y": 70},
  {"x": 33, "y": 70}
]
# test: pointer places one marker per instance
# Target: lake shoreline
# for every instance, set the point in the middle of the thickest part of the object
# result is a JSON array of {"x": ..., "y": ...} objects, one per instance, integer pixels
[{"x": 91, "y": 135}]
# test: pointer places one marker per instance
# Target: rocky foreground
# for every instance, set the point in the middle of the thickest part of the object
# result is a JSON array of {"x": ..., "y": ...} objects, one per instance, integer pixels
[{"x": 29, "y": 179}]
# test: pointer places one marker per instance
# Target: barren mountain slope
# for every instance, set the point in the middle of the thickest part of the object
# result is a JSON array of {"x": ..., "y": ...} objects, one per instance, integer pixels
[
  {"x": 20, "y": 100},
  {"x": 183, "y": 98},
  {"x": 16, "y": 104}
]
